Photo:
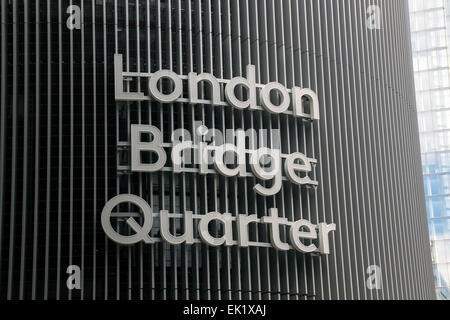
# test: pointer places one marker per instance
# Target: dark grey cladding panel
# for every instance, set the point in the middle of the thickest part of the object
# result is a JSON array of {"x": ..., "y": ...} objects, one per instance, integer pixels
[{"x": 61, "y": 154}]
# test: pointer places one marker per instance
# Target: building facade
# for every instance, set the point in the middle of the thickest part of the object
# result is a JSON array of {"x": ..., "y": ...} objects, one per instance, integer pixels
[
  {"x": 88, "y": 87},
  {"x": 429, "y": 35}
]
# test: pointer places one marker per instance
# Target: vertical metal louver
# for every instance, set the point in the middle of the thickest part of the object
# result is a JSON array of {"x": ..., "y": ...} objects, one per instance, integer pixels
[{"x": 64, "y": 144}]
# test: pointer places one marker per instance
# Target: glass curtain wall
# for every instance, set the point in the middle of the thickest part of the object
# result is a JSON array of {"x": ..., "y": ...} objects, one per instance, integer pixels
[{"x": 430, "y": 21}]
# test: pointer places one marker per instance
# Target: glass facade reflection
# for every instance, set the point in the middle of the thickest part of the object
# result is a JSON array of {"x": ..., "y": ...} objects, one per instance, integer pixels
[{"x": 430, "y": 21}]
